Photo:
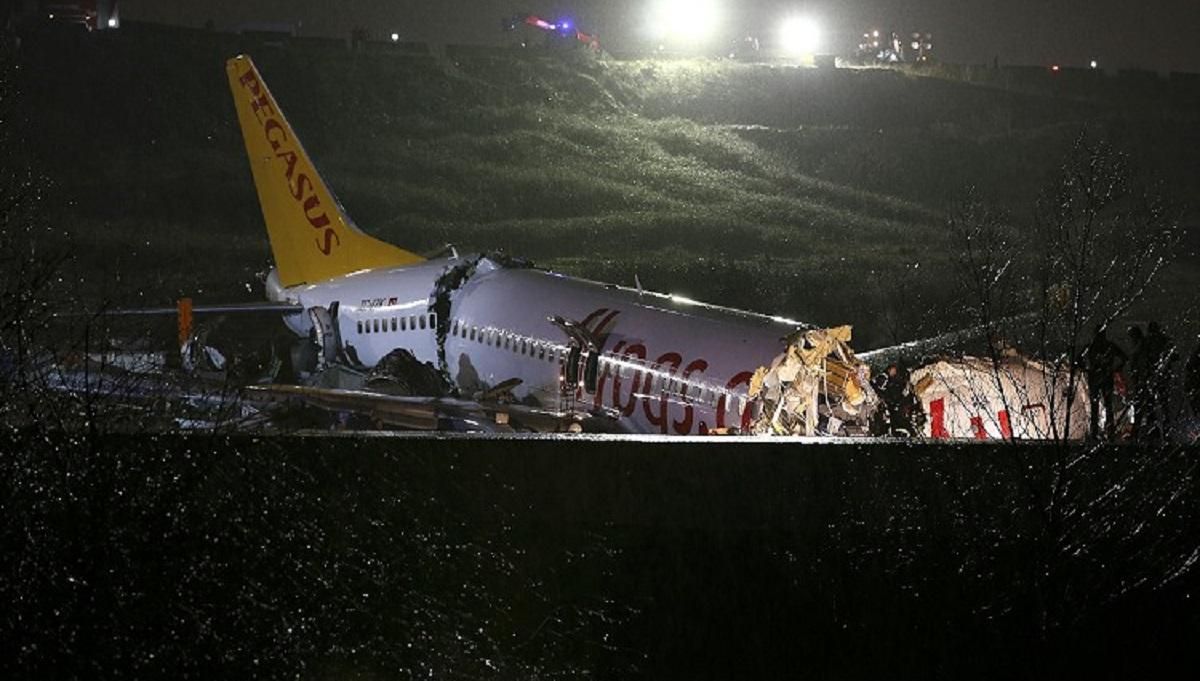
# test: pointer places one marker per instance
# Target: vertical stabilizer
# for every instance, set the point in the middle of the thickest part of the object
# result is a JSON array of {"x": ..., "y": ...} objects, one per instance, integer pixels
[{"x": 312, "y": 238}]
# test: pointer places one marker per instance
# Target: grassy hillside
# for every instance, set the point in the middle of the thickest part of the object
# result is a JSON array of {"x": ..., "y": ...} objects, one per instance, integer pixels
[{"x": 801, "y": 192}]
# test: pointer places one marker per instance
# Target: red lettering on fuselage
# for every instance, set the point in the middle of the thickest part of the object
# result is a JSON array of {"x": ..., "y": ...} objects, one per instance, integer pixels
[
  {"x": 658, "y": 386},
  {"x": 637, "y": 351},
  {"x": 689, "y": 414},
  {"x": 722, "y": 404},
  {"x": 654, "y": 405},
  {"x": 303, "y": 189}
]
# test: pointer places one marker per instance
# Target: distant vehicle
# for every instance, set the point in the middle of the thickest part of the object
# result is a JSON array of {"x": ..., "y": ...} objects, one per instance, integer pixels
[
  {"x": 878, "y": 48},
  {"x": 93, "y": 15},
  {"x": 563, "y": 31}
]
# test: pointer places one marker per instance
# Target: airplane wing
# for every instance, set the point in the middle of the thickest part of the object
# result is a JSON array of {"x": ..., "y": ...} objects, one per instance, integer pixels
[
  {"x": 433, "y": 413},
  {"x": 180, "y": 310},
  {"x": 220, "y": 308},
  {"x": 951, "y": 340}
]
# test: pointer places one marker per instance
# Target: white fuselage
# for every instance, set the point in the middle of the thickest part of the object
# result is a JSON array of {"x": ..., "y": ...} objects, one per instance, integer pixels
[{"x": 666, "y": 364}]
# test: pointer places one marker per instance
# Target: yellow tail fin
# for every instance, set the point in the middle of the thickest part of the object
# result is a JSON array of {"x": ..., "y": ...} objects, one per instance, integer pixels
[{"x": 312, "y": 238}]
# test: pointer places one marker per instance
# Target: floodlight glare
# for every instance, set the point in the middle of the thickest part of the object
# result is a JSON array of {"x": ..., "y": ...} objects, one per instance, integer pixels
[
  {"x": 799, "y": 35},
  {"x": 688, "y": 21}
]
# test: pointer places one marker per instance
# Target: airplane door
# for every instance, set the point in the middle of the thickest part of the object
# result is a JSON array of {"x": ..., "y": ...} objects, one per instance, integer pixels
[
  {"x": 579, "y": 373},
  {"x": 583, "y": 358},
  {"x": 325, "y": 333},
  {"x": 570, "y": 379}
]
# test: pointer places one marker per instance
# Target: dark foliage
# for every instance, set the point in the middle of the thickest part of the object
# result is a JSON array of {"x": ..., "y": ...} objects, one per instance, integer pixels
[{"x": 200, "y": 557}]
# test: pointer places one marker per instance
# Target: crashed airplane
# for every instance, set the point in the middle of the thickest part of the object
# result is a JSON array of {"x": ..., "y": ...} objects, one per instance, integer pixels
[
  {"x": 487, "y": 343},
  {"x": 651, "y": 363}
]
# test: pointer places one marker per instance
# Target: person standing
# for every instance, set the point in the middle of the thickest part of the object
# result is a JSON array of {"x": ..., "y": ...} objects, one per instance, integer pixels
[
  {"x": 1102, "y": 359},
  {"x": 1140, "y": 383},
  {"x": 1162, "y": 355}
]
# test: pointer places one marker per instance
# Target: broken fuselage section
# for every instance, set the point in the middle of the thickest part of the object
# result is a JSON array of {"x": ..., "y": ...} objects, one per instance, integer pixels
[{"x": 655, "y": 363}]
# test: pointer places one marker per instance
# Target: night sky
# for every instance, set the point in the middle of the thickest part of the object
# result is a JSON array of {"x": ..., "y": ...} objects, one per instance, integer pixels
[{"x": 1157, "y": 34}]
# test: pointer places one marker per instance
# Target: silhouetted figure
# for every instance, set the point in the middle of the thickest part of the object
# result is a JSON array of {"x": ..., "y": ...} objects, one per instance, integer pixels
[
  {"x": 1140, "y": 383},
  {"x": 1163, "y": 356},
  {"x": 898, "y": 400},
  {"x": 1103, "y": 359}
]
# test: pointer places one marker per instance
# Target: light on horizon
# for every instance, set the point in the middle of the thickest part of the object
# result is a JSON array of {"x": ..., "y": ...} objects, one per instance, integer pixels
[
  {"x": 682, "y": 21},
  {"x": 799, "y": 35}
]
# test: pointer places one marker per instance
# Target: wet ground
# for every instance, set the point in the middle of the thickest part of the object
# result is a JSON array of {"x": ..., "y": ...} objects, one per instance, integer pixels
[{"x": 450, "y": 557}]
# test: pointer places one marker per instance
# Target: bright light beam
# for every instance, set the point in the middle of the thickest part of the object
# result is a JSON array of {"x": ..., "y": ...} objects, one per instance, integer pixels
[
  {"x": 799, "y": 35},
  {"x": 684, "y": 21}
]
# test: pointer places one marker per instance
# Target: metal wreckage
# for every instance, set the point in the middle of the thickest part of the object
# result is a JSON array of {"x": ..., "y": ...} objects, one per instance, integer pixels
[{"x": 816, "y": 387}]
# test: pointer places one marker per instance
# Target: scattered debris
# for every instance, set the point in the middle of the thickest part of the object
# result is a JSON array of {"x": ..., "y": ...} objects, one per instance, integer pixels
[
  {"x": 817, "y": 386},
  {"x": 401, "y": 373}
]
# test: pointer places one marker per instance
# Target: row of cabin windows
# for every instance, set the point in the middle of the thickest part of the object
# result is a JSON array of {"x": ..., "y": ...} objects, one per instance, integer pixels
[
  {"x": 538, "y": 350},
  {"x": 528, "y": 347},
  {"x": 520, "y": 345},
  {"x": 409, "y": 323},
  {"x": 629, "y": 367}
]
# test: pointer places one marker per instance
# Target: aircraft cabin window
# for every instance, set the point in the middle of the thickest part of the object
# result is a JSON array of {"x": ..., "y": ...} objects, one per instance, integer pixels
[
  {"x": 472, "y": 334},
  {"x": 393, "y": 323},
  {"x": 454, "y": 328},
  {"x": 422, "y": 322},
  {"x": 375, "y": 325},
  {"x": 541, "y": 352},
  {"x": 360, "y": 326}
]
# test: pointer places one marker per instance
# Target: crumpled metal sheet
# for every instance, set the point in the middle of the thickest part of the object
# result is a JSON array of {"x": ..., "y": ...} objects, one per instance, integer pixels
[{"x": 816, "y": 386}]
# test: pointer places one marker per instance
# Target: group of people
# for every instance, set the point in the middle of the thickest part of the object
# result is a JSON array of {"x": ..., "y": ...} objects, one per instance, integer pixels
[{"x": 1131, "y": 392}]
